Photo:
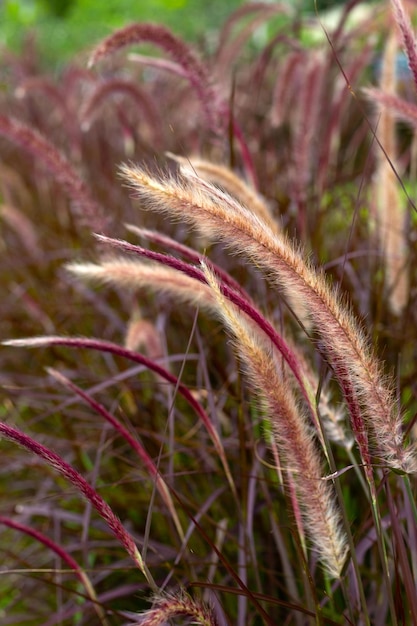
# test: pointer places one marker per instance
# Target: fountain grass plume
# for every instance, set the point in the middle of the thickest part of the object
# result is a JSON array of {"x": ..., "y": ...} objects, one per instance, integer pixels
[
  {"x": 215, "y": 214},
  {"x": 401, "y": 109},
  {"x": 86, "y": 209},
  {"x": 171, "y": 244},
  {"x": 390, "y": 221},
  {"x": 408, "y": 35},
  {"x": 292, "y": 433},
  {"x": 230, "y": 182},
  {"x": 132, "y": 274},
  {"x": 181, "y": 53},
  {"x": 307, "y": 109},
  {"x": 234, "y": 35},
  {"x": 143, "y": 333},
  {"x": 180, "y": 604}
]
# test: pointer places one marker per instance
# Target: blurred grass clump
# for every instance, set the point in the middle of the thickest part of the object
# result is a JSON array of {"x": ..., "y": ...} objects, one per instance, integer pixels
[{"x": 66, "y": 28}]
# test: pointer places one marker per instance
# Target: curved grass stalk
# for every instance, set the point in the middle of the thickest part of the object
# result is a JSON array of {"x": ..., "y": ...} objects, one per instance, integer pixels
[{"x": 81, "y": 485}]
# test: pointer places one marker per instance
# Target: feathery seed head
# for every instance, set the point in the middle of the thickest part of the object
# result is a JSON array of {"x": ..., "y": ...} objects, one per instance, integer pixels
[
  {"x": 292, "y": 433},
  {"x": 168, "y": 606},
  {"x": 217, "y": 215}
]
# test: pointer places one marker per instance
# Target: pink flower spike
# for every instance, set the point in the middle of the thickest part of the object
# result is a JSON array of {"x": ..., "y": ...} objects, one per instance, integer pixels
[
  {"x": 180, "y": 52},
  {"x": 66, "y": 470},
  {"x": 408, "y": 36}
]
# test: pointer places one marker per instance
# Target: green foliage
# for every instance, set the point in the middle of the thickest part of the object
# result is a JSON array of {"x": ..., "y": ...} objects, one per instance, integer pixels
[
  {"x": 66, "y": 28},
  {"x": 58, "y": 9}
]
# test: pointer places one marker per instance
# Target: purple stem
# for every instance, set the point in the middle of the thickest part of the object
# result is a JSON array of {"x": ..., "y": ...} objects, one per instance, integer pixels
[{"x": 186, "y": 252}]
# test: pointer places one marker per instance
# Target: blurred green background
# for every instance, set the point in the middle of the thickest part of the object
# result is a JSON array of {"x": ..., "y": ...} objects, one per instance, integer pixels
[{"x": 63, "y": 28}]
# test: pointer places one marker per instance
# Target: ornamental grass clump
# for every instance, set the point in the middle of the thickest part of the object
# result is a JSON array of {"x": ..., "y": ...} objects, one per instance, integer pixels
[{"x": 215, "y": 422}]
